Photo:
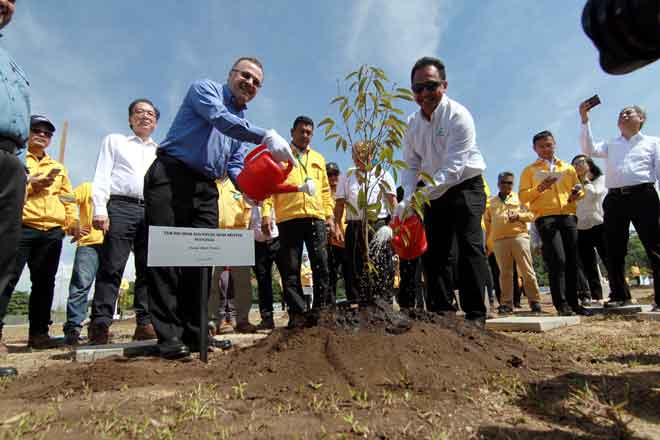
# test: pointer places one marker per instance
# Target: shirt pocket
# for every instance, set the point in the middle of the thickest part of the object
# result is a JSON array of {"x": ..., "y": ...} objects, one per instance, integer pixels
[{"x": 316, "y": 173}]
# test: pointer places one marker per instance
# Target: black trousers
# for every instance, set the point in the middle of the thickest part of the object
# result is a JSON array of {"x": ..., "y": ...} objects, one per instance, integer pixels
[
  {"x": 177, "y": 196},
  {"x": 362, "y": 286},
  {"x": 293, "y": 234},
  {"x": 559, "y": 237},
  {"x": 336, "y": 266},
  {"x": 128, "y": 231},
  {"x": 456, "y": 215},
  {"x": 265, "y": 254},
  {"x": 642, "y": 208},
  {"x": 411, "y": 290},
  {"x": 495, "y": 271},
  {"x": 40, "y": 250},
  {"x": 12, "y": 195},
  {"x": 590, "y": 241}
]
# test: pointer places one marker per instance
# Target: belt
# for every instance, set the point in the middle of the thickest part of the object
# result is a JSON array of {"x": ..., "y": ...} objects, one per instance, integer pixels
[
  {"x": 632, "y": 189},
  {"x": 8, "y": 144},
  {"x": 128, "y": 199}
]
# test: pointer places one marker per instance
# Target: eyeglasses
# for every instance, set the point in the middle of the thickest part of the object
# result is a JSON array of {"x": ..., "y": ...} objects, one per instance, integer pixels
[
  {"x": 430, "y": 86},
  {"x": 248, "y": 76},
  {"x": 39, "y": 131},
  {"x": 579, "y": 162},
  {"x": 142, "y": 111},
  {"x": 506, "y": 182}
]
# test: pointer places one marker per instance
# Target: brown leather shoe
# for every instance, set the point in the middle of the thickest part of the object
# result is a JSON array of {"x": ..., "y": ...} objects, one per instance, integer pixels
[
  {"x": 3, "y": 347},
  {"x": 43, "y": 342},
  {"x": 245, "y": 327},
  {"x": 99, "y": 334},
  {"x": 144, "y": 333}
]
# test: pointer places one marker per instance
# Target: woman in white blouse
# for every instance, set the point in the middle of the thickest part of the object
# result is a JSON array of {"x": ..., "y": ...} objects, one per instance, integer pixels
[{"x": 591, "y": 234}]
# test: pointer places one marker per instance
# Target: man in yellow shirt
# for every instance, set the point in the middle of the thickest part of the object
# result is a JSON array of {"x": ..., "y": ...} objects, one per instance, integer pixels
[
  {"x": 506, "y": 227},
  {"x": 551, "y": 187},
  {"x": 47, "y": 214},
  {"x": 302, "y": 218},
  {"x": 85, "y": 265}
]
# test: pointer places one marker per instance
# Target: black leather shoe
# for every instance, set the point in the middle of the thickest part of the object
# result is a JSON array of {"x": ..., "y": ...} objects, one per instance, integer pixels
[
  {"x": 173, "y": 349},
  {"x": 566, "y": 311},
  {"x": 612, "y": 304},
  {"x": 8, "y": 372},
  {"x": 222, "y": 344},
  {"x": 583, "y": 311}
]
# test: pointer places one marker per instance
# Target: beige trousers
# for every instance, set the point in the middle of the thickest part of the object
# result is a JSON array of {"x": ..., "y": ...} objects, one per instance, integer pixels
[{"x": 508, "y": 250}]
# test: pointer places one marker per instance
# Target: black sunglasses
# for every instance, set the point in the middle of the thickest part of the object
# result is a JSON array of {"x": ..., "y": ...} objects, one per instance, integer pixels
[
  {"x": 46, "y": 133},
  {"x": 430, "y": 86},
  {"x": 506, "y": 182}
]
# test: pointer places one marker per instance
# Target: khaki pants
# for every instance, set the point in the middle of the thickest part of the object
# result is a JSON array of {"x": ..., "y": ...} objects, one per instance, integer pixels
[{"x": 508, "y": 250}]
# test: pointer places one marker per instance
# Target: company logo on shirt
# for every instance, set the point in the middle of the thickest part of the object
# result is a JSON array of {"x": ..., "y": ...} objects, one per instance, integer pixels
[{"x": 440, "y": 132}]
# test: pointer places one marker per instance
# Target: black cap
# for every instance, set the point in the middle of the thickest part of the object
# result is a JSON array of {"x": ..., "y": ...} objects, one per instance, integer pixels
[
  {"x": 331, "y": 168},
  {"x": 40, "y": 119}
]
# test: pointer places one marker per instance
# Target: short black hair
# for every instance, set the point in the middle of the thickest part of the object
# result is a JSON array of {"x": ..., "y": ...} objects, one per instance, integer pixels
[
  {"x": 429, "y": 61},
  {"x": 305, "y": 120},
  {"x": 132, "y": 105},
  {"x": 504, "y": 174},
  {"x": 542, "y": 135},
  {"x": 331, "y": 169}
]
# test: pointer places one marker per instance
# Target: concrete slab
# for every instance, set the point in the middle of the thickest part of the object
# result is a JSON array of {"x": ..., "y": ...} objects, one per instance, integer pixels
[
  {"x": 537, "y": 324},
  {"x": 649, "y": 316},
  {"x": 625, "y": 310},
  {"x": 91, "y": 353}
]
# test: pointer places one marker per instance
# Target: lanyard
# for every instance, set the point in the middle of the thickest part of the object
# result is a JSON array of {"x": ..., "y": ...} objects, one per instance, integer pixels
[{"x": 303, "y": 165}]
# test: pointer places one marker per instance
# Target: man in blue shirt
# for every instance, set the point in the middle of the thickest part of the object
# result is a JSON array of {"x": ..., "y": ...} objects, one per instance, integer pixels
[
  {"x": 205, "y": 142},
  {"x": 14, "y": 123}
]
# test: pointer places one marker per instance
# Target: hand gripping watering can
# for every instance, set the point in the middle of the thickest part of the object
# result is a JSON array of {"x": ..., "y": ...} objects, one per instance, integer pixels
[
  {"x": 409, "y": 240},
  {"x": 262, "y": 176}
]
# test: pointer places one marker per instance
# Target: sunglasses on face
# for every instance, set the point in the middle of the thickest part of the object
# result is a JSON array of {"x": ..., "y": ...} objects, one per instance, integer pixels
[
  {"x": 430, "y": 86},
  {"x": 506, "y": 182},
  {"x": 248, "y": 76},
  {"x": 41, "y": 132}
]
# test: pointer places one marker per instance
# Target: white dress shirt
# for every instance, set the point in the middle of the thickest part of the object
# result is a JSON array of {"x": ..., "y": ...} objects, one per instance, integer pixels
[
  {"x": 255, "y": 225},
  {"x": 348, "y": 189},
  {"x": 629, "y": 161},
  {"x": 445, "y": 148},
  {"x": 120, "y": 168},
  {"x": 590, "y": 208}
]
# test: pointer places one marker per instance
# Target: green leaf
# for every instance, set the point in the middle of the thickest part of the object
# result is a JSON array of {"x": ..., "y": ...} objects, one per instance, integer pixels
[
  {"x": 362, "y": 198},
  {"x": 347, "y": 114},
  {"x": 379, "y": 86},
  {"x": 426, "y": 178},
  {"x": 351, "y": 75},
  {"x": 326, "y": 121},
  {"x": 400, "y": 164}
]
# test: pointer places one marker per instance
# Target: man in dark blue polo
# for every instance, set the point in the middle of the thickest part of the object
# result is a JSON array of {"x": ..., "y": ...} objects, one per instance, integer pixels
[
  {"x": 205, "y": 142},
  {"x": 14, "y": 124}
]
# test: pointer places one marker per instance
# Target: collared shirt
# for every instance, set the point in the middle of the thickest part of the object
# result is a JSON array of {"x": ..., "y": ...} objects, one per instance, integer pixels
[
  {"x": 255, "y": 225},
  {"x": 629, "y": 161},
  {"x": 83, "y": 194},
  {"x": 554, "y": 200},
  {"x": 590, "y": 208},
  {"x": 46, "y": 210},
  {"x": 208, "y": 132},
  {"x": 349, "y": 188},
  {"x": 497, "y": 221},
  {"x": 311, "y": 164},
  {"x": 120, "y": 168},
  {"x": 14, "y": 103},
  {"x": 444, "y": 148},
  {"x": 234, "y": 211}
]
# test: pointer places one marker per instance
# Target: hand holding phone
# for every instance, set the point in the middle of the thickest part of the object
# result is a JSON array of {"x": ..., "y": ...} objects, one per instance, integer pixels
[
  {"x": 587, "y": 105},
  {"x": 54, "y": 172}
]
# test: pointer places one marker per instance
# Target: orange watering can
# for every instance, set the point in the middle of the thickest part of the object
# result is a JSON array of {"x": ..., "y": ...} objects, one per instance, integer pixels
[
  {"x": 262, "y": 176},
  {"x": 409, "y": 241}
]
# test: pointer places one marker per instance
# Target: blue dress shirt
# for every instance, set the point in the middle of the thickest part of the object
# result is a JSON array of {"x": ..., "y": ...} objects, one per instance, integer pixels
[
  {"x": 209, "y": 131},
  {"x": 14, "y": 102}
]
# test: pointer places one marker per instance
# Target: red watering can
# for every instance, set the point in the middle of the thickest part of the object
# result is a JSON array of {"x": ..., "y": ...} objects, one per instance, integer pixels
[
  {"x": 409, "y": 241},
  {"x": 262, "y": 176}
]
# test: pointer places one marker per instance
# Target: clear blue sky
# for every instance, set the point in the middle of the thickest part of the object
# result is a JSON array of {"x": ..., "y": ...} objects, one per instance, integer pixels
[{"x": 519, "y": 66}]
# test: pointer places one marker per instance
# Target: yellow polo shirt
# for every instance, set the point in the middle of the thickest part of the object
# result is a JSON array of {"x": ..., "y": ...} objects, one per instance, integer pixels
[
  {"x": 554, "y": 200},
  {"x": 83, "y": 195},
  {"x": 234, "y": 212},
  {"x": 497, "y": 217},
  {"x": 298, "y": 204},
  {"x": 44, "y": 210}
]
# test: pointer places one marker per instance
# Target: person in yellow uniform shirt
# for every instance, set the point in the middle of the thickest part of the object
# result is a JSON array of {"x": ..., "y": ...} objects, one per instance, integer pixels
[
  {"x": 234, "y": 214},
  {"x": 303, "y": 218},
  {"x": 551, "y": 187},
  {"x": 47, "y": 216},
  {"x": 336, "y": 245},
  {"x": 85, "y": 265}
]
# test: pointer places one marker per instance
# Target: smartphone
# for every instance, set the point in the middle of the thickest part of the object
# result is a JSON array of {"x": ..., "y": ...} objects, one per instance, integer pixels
[
  {"x": 592, "y": 102},
  {"x": 54, "y": 172}
]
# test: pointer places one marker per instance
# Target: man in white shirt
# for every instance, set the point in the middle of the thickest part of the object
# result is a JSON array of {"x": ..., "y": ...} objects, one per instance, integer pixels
[
  {"x": 380, "y": 189},
  {"x": 633, "y": 167},
  {"x": 118, "y": 200},
  {"x": 441, "y": 142}
]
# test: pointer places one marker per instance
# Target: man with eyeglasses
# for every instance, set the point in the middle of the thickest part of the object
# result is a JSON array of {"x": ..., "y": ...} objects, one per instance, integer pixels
[
  {"x": 118, "y": 199},
  {"x": 14, "y": 123},
  {"x": 506, "y": 221},
  {"x": 441, "y": 142},
  {"x": 49, "y": 212},
  {"x": 207, "y": 140},
  {"x": 633, "y": 167}
]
